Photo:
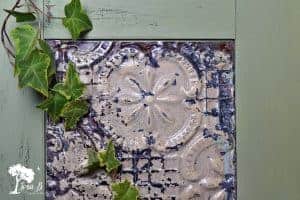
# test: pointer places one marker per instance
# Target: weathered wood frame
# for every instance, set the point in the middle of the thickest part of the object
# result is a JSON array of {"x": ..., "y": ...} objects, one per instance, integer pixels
[{"x": 267, "y": 40}]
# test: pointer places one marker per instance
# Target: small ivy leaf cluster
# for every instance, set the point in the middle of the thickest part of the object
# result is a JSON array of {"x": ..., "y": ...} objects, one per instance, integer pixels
[
  {"x": 125, "y": 191},
  {"x": 64, "y": 100},
  {"x": 76, "y": 20},
  {"x": 35, "y": 65},
  {"x": 32, "y": 63},
  {"x": 35, "y": 68},
  {"x": 103, "y": 159},
  {"x": 107, "y": 159}
]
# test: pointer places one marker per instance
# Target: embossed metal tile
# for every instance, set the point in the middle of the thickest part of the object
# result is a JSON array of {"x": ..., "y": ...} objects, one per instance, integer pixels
[{"x": 169, "y": 108}]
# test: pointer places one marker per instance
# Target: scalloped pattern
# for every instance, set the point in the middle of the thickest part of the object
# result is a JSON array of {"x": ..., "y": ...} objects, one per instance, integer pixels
[{"x": 169, "y": 108}]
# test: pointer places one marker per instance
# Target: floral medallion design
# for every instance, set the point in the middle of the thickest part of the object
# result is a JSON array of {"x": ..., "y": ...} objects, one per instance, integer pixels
[
  {"x": 167, "y": 106},
  {"x": 152, "y": 103}
]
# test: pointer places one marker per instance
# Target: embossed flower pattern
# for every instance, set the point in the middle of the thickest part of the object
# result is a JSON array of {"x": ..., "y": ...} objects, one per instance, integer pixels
[
  {"x": 124, "y": 88},
  {"x": 150, "y": 95}
]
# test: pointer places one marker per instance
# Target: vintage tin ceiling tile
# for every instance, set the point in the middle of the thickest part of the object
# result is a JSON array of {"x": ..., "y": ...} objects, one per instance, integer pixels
[{"x": 169, "y": 108}]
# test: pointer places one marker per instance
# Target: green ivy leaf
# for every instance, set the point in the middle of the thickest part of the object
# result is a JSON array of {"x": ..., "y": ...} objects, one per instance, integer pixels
[
  {"x": 47, "y": 50},
  {"x": 25, "y": 39},
  {"x": 32, "y": 72},
  {"x": 72, "y": 88},
  {"x": 53, "y": 105},
  {"x": 124, "y": 191},
  {"x": 108, "y": 158},
  {"x": 61, "y": 89},
  {"x": 93, "y": 160},
  {"x": 76, "y": 19},
  {"x": 73, "y": 111},
  {"x": 105, "y": 158},
  {"x": 21, "y": 16}
]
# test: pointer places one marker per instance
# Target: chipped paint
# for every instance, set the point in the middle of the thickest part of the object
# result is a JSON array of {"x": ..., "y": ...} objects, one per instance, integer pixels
[{"x": 167, "y": 106}]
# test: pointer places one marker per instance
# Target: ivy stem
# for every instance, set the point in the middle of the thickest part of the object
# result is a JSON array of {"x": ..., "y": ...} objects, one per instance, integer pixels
[
  {"x": 5, "y": 37},
  {"x": 57, "y": 17},
  {"x": 35, "y": 6},
  {"x": 41, "y": 11}
]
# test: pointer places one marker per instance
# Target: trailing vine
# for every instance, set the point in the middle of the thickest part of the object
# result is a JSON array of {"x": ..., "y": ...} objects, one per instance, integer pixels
[{"x": 34, "y": 67}]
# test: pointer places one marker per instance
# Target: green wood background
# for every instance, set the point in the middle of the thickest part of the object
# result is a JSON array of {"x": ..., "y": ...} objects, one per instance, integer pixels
[
  {"x": 163, "y": 19},
  {"x": 267, "y": 65},
  {"x": 21, "y": 126}
]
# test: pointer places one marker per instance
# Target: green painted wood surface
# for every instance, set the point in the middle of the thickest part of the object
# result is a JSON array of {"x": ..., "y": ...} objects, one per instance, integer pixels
[
  {"x": 268, "y": 99},
  {"x": 267, "y": 38},
  {"x": 21, "y": 127},
  {"x": 135, "y": 19}
]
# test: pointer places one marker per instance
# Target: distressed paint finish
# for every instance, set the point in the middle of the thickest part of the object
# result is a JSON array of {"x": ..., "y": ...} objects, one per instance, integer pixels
[
  {"x": 168, "y": 107},
  {"x": 268, "y": 99},
  {"x": 167, "y": 19},
  {"x": 22, "y": 129},
  {"x": 267, "y": 28}
]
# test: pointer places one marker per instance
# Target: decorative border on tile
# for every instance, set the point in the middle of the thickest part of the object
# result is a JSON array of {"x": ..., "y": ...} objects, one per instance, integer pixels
[{"x": 214, "y": 63}]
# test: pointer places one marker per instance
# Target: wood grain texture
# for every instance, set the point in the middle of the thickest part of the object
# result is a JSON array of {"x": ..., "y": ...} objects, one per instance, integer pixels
[
  {"x": 143, "y": 19},
  {"x": 268, "y": 83},
  {"x": 22, "y": 127},
  {"x": 267, "y": 36}
]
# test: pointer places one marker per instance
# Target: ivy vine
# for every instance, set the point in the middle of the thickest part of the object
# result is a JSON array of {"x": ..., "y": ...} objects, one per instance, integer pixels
[{"x": 34, "y": 67}]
